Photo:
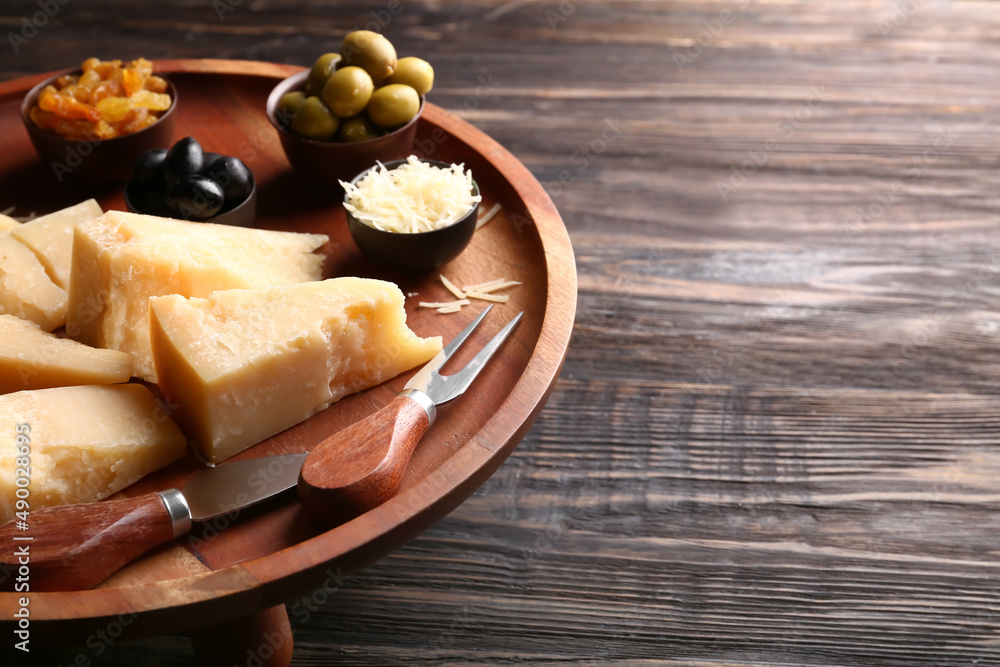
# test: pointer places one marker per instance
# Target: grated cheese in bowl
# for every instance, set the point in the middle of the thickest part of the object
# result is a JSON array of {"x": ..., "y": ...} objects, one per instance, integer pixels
[{"x": 412, "y": 198}]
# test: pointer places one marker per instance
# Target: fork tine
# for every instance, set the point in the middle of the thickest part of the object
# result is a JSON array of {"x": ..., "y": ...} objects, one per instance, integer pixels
[
  {"x": 422, "y": 378},
  {"x": 443, "y": 388},
  {"x": 456, "y": 343}
]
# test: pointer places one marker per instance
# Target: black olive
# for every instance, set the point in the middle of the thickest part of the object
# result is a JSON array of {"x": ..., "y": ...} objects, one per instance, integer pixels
[
  {"x": 206, "y": 162},
  {"x": 185, "y": 158},
  {"x": 147, "y": 198},
  {"x": 195, "y": 197},
  {"x": 233, "y": 177},
  {"x": 148, "y": 167}
]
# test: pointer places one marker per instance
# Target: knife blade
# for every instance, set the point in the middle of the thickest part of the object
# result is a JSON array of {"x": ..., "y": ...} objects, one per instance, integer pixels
[{"x": 74, "y": 547}]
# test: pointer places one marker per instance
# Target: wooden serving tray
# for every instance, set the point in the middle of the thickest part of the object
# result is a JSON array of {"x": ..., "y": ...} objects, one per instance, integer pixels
[{"x": 273, "y": 553}]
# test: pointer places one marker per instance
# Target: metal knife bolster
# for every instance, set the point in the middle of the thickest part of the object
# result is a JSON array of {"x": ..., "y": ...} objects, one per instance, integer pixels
[
  {"x": 423, "y": 400},
  {"x": 178, "y": 510}
]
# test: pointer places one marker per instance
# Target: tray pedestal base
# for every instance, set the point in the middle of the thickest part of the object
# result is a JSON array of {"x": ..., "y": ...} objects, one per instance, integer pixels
[{"x": 263, "y": 639}]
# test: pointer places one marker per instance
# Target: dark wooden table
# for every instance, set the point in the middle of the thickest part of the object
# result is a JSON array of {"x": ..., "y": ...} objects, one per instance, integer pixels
[{"x": 775, "y": 439}]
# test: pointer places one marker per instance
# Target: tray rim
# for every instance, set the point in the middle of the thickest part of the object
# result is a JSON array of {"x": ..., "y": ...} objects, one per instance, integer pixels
[{"x": 279, "y": 577}]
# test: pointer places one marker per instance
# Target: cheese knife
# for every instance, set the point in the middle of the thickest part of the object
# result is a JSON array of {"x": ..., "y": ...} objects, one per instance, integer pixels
[{"x": 73, "y": 547}]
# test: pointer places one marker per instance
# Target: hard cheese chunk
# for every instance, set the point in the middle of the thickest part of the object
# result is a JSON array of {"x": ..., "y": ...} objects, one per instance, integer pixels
[
  {"x": 246, "y": 364},
  {"x": 50, "y": 237},
  {"x": 33, "y": 359},
  {"x": 122, "y": 259},
  {"x": 25, "y": 289},
  {"x": 7, "y": 223},
  {"x": 85, "y": 442}
]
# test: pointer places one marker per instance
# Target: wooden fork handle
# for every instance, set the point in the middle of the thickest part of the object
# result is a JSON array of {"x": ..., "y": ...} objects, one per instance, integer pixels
[
  {"x": 363, "y": 465},
  {"x": 74, "y": 547}
]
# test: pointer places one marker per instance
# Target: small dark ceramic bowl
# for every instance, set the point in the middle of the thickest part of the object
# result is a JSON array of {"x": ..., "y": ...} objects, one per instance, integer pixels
[
  {"x": 243, "y": 215},
  {"x": 332, "y": 161},
  {"x": 100, "y": 160},
  {"x": 413, "y": 253}
]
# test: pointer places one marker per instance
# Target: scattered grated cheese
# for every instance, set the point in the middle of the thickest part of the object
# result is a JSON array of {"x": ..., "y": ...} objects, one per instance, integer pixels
[
  {"x": 459, "y": 294},
  {"x": 495, "y": 298},
  {"x": 491, "y": 286},
  {"x": 444, "y": 304},
  {"x": 482, "y": 291},
  {"x": 412, "y": 198},
  {"x": 486, "y": 217}
]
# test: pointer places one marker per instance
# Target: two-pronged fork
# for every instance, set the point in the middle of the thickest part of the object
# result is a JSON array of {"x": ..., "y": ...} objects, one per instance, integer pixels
[{"x": 362, "y": 466}]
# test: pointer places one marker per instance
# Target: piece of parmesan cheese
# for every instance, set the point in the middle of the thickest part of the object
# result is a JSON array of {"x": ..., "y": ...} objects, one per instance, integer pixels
[{"x": 414, "y": 197}]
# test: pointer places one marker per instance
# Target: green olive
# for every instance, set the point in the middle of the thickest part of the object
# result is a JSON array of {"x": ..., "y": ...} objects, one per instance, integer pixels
[
  {"x": 393, "y": 105},
  {"x": 415, "y": 73},
  {"x": 288, "y": 105},
  {"x": 347, "y": 91},
  {"x": 358, "y": 128},
  {"x": 313, "y": 120},
  {"x": 320, "y": 72},
  {"x": 371, "y": 52}
]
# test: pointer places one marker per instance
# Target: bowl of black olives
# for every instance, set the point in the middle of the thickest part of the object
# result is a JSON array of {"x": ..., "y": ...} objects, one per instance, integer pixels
[
  {"x": 188, "y": 183},
  {"x": 351, "y": 109}
]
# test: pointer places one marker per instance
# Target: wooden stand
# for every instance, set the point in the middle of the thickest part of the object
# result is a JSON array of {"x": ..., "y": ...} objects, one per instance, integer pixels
[{"x": 263, "y": 639}]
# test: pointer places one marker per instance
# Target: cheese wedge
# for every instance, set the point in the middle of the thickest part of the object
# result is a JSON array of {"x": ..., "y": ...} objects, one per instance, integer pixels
[
  {"x": 25, "y": 289},
  {"x": 243, "y": 365},
  {"x": 122, "y": 259},
  {"x": 50, "y": 237},
  {"x": 33, "y": 359},
  {"x": 7, "y": 223},
  {"x": 84, "y": 443}
]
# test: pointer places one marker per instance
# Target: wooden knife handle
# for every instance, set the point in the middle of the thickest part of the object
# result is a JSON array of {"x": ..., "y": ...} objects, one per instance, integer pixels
[
  {"x": 73, "y": 547},
  {"x": 363, "y": 465}
]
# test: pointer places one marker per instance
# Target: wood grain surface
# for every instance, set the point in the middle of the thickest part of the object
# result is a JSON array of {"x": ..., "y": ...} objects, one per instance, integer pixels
[{"x": 775, "y": 440}]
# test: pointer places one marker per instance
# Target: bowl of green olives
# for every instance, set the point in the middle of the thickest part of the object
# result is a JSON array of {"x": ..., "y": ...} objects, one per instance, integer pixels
[{"x": 351, "y": 109}]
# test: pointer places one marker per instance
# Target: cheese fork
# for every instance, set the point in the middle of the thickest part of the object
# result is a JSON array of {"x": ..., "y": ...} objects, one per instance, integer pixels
[{"x": 362, "y": 466}]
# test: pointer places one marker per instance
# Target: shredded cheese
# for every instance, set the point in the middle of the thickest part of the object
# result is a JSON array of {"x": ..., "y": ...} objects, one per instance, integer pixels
[
  {"x": 459, "y": 294},
  {"x": 484, "y": 296},
  {"x": 413, "y": 198},
  {"x": 444, "y": 304},
  {"x": 482, "y": 291},
  {"x": 491, "y": 286},
  {"x": 486, "y": 217}
]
